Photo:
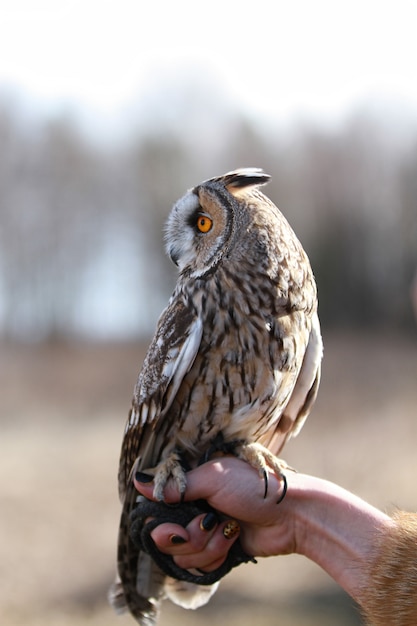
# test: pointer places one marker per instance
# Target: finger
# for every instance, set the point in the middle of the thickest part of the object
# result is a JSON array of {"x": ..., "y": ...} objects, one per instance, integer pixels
[
  {"x": 174, "y": 539},
  {"x": 170, "y": 538},
  {"x": 144, "y": 484},
  {"x": 201, "y": 482},
  {"x": 214, "y": 553}
]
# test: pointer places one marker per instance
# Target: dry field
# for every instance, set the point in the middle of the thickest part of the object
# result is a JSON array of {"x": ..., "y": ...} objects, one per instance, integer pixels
[{"x": 62, "y": 412}]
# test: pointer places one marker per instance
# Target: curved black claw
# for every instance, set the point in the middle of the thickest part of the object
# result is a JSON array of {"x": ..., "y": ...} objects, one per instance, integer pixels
[
  {"x": 284, "y": 489},
  {"x": 182, "y": 513},
  {"x": 284, "y": 486},
  {"x": 266, "y": 481}
]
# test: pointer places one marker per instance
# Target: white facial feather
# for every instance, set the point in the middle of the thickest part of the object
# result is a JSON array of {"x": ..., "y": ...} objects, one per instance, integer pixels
[{"x": 179, "y": 236}]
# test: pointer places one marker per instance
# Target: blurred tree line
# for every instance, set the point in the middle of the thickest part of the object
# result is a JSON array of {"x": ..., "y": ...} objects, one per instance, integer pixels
[{"x": 81, "y": 222}]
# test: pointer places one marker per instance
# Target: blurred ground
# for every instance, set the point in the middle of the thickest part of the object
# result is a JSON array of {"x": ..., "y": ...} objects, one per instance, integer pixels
[{"x": 62, "y": 411}]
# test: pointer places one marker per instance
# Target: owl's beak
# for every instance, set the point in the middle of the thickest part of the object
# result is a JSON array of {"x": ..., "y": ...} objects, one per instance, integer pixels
[{"x": 173, "y": 255}]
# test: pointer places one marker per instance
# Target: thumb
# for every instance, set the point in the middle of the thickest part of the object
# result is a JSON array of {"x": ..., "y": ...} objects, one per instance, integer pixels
[{"x": 201, "y": 483}]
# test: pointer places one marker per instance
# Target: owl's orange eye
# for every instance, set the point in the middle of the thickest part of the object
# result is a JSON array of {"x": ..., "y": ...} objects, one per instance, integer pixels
[{"x": 204, "y": 223}]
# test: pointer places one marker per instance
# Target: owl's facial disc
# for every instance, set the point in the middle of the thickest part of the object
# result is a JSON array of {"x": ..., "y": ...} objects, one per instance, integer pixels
[
  {"x": 180, "y": 230},
  {"x": 197, "y": 231}
]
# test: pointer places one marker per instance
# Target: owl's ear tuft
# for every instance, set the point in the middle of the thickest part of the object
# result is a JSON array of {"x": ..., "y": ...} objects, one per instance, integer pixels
[{"x": 245, "y": 177}]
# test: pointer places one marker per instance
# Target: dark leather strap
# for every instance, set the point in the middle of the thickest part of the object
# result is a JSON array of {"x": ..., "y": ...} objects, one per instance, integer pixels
[{"x": 181, "y": 513}]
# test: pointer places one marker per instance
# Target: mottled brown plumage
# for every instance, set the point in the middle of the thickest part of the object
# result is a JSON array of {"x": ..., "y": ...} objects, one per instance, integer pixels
[{"x": 237, "y": 351}]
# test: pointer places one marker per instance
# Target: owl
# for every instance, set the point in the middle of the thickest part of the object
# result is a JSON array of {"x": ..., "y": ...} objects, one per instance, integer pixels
[{"x": 236, "y": 356}]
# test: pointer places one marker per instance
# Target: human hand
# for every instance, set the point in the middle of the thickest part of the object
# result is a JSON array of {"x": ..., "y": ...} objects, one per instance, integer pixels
[
  {"x": 319, "y": 519},
  {"x": 236, "y": 490}
]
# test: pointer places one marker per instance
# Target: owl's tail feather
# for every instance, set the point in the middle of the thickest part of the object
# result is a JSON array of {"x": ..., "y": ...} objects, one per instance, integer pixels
[
  {"x": 144, "y": 611},
  {"x": 116, "y": 597}
]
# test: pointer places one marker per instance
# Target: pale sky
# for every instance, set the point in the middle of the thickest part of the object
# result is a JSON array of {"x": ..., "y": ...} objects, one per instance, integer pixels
[
  {"x": 282, "y": 59},
  {"x": 102, "y": 60}
]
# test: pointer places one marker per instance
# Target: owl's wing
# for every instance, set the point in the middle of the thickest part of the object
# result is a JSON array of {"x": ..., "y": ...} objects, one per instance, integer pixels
[
  {"x": 169, "y": 357},
  {"x": 303, "y": 394},
  {"x": 307, "y": 385}
]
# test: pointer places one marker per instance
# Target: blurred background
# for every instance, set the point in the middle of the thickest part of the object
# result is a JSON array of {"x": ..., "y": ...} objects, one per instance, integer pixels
[{"x": 109, "y": 111}]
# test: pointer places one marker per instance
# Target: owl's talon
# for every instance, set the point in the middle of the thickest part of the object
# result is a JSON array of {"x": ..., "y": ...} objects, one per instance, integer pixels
[
  {"x": 284, "y": 489},
  {"x": 265, "y": 473},
  {"x": 171, "y": 467}
]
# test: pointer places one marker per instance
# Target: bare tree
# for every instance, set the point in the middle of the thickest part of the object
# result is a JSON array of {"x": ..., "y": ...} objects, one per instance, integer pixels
[{"x": 81, "y": 236}]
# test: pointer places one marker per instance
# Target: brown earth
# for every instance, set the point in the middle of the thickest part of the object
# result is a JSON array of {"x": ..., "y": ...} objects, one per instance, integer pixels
[{"x": 62, "y": 412}]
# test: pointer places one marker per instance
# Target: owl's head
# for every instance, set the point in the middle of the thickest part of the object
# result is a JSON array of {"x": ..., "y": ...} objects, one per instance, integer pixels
[{"x": 204, "y": 223}]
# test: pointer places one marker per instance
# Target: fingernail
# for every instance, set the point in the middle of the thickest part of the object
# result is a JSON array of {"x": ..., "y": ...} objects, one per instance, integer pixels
[
  {"x": 209, "y": 521},
  {"x": 141, "y": 477},
  {"x": 231, "y": 529},
  {"x": 177, "y": 539}
]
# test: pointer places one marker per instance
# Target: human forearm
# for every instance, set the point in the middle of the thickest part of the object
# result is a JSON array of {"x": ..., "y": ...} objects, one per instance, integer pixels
[
  {"x": 371, "y": 555},
  {"x": 337, "y": 530}
]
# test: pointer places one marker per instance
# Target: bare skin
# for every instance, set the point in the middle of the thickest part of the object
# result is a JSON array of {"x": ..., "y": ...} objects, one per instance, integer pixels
[{"x": 317, "y": 519}]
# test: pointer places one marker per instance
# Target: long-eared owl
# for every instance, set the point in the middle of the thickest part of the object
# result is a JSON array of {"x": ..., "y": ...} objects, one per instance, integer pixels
[{"x": 236, "y": 353}]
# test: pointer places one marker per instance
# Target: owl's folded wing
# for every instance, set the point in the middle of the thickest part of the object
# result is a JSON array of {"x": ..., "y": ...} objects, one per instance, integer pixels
[{"x": 169, "y": 357}]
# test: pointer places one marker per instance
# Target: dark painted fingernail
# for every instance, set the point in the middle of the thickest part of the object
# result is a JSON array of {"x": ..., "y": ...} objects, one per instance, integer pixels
[
  {"x": 209, "y": 521},
  {"x": 141, "y": 477},
  {"x": 177, "y": 539}
]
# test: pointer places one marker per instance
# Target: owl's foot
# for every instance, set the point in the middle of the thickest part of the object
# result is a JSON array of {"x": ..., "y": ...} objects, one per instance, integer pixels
[
  {"x": 255, "y": 454},
  {"x": 171, "y": 467},
  {"x": 261, "y": 459}
]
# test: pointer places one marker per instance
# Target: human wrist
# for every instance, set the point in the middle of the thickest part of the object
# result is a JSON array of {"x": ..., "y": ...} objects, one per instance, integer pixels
[{"x": 335, "y": 529}]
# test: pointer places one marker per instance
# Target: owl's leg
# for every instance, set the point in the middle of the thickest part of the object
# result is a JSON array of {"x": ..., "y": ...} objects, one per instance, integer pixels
[
  {"x": 261, "y": 459},
  {"x": 171, "y": 467},
  {"x": 218, "y": 444}
]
